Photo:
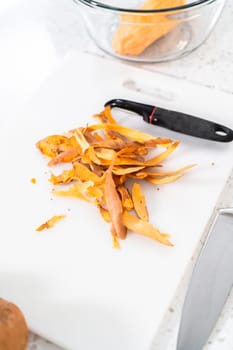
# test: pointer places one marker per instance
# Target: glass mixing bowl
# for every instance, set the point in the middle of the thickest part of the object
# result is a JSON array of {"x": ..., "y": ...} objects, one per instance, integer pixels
[{"x": 149, "y": 30}]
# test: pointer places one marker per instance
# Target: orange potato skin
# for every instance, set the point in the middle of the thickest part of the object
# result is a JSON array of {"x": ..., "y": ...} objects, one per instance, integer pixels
[{"x": 13, "y": 327}]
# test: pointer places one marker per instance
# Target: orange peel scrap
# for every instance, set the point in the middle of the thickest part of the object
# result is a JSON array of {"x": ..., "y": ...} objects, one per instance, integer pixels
[
  {"x": 139, "y": 202},
  {"x": 103, "y": 159},
  {"x": 50, "y": 223}
]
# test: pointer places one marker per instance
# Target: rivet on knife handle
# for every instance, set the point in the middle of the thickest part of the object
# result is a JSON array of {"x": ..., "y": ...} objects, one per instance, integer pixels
[{"x": 176, "y": 121}]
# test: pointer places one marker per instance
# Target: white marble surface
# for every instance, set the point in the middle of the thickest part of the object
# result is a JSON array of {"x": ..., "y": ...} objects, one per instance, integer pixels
[{"x": 36, "y": 35}]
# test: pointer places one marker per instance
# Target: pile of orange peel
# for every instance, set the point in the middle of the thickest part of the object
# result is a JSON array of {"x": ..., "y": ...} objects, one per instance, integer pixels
[{"x": 103, "y": 157}]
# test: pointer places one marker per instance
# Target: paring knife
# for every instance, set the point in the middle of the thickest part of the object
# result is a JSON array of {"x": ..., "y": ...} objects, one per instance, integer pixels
[
  {"x": 176, "y": 121},
  {"x": 210, "y": 284}
]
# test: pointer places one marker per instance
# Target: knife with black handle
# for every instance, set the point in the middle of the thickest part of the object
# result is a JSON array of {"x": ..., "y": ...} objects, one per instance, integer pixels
[{"x": 176, "y": 121}]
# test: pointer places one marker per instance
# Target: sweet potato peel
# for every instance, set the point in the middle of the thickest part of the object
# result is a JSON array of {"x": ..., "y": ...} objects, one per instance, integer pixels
[
  {"x": 103, "y": 160},
  {"x": 114, "y": 205},
  {"x": 139, "y": 202},
  {"x": 50, "y": 222},
  {"x": 144, "y": 228}
]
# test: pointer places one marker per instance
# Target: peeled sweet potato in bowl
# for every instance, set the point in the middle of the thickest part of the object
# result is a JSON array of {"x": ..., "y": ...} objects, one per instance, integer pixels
[{"x": 149, "y": 30}]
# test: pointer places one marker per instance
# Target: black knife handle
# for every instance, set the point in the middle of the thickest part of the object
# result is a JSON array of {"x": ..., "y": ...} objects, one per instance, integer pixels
[
  {"x": 176, "y": 121},
  {"x": 190, "y": 125}
]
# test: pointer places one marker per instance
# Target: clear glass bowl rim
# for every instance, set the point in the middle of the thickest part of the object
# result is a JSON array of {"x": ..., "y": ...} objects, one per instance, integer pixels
[{"x": 97, "y": 4}]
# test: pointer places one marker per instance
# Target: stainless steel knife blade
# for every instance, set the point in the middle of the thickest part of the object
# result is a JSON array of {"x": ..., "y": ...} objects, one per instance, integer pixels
[{"x": 210, "y": 284}]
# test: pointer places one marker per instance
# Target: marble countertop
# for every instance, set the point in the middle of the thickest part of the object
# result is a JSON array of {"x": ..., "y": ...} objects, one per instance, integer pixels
[{"x": 36, "y": 35}]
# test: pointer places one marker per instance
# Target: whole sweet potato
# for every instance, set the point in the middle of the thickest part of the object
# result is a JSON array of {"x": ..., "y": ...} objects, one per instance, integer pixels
[{"x": 13, "y": 327}]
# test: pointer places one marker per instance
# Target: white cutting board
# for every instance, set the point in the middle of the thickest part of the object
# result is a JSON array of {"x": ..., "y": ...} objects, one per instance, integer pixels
[{"x": 72, "y": 286}]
